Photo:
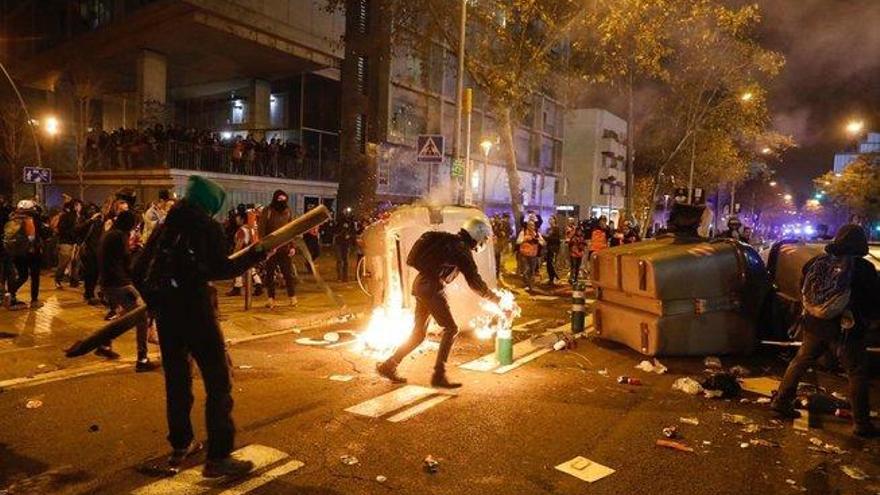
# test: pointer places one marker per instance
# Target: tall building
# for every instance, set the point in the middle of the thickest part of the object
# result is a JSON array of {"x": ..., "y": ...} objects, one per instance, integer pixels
[
  {"x": 593, "y": 164},
  {"x": 390, "y": 97},
  {"x": 234, "y": 68},
  {"x": 870, "y": 144}
]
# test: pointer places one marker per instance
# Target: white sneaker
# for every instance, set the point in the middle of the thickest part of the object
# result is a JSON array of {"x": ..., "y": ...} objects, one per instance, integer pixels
[
  {"x": 294, "y": 301},
  {"x": 270, "y": 303}
]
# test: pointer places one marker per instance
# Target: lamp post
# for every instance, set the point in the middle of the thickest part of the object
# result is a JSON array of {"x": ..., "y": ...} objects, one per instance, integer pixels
[
  {"x": 854, "y": 130},
  {"x": 30, "y": 121},
  {"x": 486, "y": 146}
]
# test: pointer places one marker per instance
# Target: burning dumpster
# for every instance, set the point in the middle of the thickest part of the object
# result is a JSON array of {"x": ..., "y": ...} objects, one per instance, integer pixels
[
  {"x": 386, "y": 246},
  {"x": 680, "y": 296}
]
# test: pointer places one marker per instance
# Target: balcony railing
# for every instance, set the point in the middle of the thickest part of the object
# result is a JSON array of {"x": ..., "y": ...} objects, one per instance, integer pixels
[{"x": 213, "y": 158}]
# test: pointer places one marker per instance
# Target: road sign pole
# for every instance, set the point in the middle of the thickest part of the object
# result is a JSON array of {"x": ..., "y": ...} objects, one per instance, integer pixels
[{"x": 468, "y": 186}]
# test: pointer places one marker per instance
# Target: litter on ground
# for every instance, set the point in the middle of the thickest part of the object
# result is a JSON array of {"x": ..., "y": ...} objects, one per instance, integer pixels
[
  {"x": 585, "y": 469},
  {"x": 687, "y": 385},
  {"x": 670, "y": 444}
]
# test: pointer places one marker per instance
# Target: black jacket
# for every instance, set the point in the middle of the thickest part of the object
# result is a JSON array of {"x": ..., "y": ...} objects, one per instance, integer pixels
[
  {"x": 185, "y": 253},
  {"x": 442, "y": 258},
  {"x": 114, "y": 259},
  {"x": 67, "y": 226}
]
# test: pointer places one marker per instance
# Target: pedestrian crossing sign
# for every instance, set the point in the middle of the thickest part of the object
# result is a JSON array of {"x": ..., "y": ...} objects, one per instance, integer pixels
[{"x": 430, "y": 148}]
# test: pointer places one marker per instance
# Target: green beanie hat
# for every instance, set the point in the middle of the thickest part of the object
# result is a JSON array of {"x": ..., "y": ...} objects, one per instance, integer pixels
[{"x": 205, "y": 193}]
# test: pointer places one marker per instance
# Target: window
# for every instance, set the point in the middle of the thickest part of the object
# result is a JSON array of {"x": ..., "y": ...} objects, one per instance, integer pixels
[
  {"x": 238, "y": 111},
  {"x": 360, "y": 132},
  {"x": 362, "y": 71},
  {"x": 362, "y": 21},
  {"x": 609, "y": 134},
  {"x": 609, "y": 160}
]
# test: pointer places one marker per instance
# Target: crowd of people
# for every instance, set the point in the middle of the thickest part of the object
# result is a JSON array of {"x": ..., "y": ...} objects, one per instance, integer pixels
[{"x": 194, "y": 149}]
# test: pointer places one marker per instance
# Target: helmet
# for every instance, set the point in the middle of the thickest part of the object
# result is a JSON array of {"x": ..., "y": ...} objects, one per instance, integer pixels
[
  {"x": 26, "y": 204},
  {"x": 479, "y": 230}
]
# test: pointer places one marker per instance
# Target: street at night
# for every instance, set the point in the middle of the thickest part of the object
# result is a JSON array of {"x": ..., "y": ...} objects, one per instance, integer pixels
[{"x": 255, "y": 247}]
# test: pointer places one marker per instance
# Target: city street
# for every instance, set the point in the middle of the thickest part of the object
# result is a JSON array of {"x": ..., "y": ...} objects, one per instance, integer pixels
[{"x": 89, "y": 426}]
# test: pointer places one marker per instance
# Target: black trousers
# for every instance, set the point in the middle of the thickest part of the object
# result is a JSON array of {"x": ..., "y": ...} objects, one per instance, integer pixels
[
  {"x": 342, "y": 262},
  {"x": 550, "y": 259},
  {"x": 26, "y": 266},
  {"x": 575, "y": 270},
  {"x": 90, "y": 275},
  {"x": 281, "y": 259},
  {"x": 188, "y": 330},
  {"x": 430, "y": 301},
  {"x": 853, "y": 356}
]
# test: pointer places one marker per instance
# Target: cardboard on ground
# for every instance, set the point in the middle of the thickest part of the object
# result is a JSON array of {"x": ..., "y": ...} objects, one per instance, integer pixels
[
  {"x": 761, "y": 385},
  {"x": 585, "y": 469}
]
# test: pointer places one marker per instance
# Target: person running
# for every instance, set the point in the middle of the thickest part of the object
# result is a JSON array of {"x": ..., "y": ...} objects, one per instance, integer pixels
[{"x": 23, "y": 239}]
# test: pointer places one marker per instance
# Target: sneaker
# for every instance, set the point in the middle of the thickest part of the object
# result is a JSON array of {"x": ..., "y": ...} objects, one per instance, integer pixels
[
  {"x": 36, "y": 304},
  {"x": 229, "y": 467},
  {"x": 59, "y": 285},
  {"x": 15, "y": 305},
  {"x": 294, "y": 301},
  {"x": 439, "y": 380},
  {"x": 236, "y": 291},
  {"x": 389, "y": 372},
  {"x": 179, "y": 455},
  {"x": 110, "y": 315},
  {"x": 145, "y": 366},
  {"x": 106, "y": 352},
  {"x": 270, "y": 303},
  {"x": 7, "y": 300}
]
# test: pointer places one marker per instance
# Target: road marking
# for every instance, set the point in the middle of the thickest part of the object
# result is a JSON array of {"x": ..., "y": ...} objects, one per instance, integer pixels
[
  {"x": 419, "y": 408},
  {"x": 65, "y": 374},
  {"x": 523, "y": 360},
  {"x": 191, "y": 481},
  {"x": 267, "y": 477},
  {"x": 525, "y": 350},
  {"x": 392, "y": 401}
]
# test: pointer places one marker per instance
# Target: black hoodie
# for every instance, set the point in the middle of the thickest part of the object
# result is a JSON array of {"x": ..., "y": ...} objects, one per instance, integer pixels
[{"x": 276, "y": 215}]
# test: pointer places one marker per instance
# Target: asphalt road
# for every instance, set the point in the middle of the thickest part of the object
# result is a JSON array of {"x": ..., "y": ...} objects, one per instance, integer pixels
[{"x": 103, "y": 432}]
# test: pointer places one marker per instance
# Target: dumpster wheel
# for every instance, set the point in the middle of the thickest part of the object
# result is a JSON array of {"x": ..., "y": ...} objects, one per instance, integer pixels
[{"x": 362, "y": 274}]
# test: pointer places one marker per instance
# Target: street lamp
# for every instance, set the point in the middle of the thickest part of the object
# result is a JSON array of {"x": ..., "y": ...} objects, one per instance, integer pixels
[
  {"x": 773, "y": 183},
  {"x": 854, "y": 127},
  {"x": 486, "y": 146},
  {"x": 766, "y": 151},
  {"x": 747, "y": 96},
  {"x": 51, "y": 126},
  {"x": 787, "y": 197}
]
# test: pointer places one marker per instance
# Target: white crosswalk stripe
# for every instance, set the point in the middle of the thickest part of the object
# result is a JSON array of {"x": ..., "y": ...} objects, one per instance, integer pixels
[
  {"x": 404, "y": 403},
  {"x": 191, "y": 481}
]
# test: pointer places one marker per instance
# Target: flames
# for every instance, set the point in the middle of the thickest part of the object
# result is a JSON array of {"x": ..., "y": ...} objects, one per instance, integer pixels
[
  {"x": 390, "y": 325},
  {"x": 498, "y": 318}
]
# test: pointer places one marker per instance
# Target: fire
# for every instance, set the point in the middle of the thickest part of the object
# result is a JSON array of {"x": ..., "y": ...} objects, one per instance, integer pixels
[{"x": 498, "y": 318}]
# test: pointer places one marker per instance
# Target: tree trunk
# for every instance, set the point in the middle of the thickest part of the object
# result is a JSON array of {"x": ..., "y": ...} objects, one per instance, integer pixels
[
  {"x": 630, "y": 148},
  {"x": 512, "y": 172}
]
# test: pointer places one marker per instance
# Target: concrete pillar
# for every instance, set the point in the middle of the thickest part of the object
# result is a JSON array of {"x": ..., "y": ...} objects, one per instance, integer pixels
[
  {"x": 258, "y": 105},
  {"x": 152, "y": 87}
]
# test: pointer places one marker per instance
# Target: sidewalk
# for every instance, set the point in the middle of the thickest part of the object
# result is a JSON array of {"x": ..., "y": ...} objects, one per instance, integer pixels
[{"x": 32, "y": 341}]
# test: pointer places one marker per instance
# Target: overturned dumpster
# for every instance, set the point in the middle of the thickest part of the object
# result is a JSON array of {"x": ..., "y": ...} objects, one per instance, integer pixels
[{"x": 679, "y": 295}]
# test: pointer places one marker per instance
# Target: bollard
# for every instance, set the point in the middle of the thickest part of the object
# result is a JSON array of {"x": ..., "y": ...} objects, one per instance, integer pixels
[
  {"x": 504, "y": 347},
  {"x": 578, "y": 310}
]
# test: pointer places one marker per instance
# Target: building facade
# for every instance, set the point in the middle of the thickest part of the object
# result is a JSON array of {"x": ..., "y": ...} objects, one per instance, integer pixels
[
  {"x": 245, "y": 91},
  {"x": 390, "y": 97},
  {"x": 869, "y": 144},
  {"x": 593, "y": 164}
]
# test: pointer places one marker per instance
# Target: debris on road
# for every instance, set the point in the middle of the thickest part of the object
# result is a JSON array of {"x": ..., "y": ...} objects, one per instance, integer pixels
[
  {"x": 670, "y": 432},
  {"x": 603, "y": 372},
  {"x": 381, "y": 479},
  {"x": 751, "y": 428},
  {"x": 738, "y": 419},
  {"x": 649, "y": 367},
  {"x": 341, "y": 378},
  {"x": 688, "y": 385},
  {"x": 348, "y": 459},
  {"x": 311, "y": 341},
  {"x": 740, "y": 371},
  {"x": 802, "y": 423},
  {"x": 820, "y": 446},
  {"x": 854, "y": 473},
  {"x": 431, "y": 465},
  {"x": 33, "y": 404},
  {"x": 690, "y": 421},
  {"x": 585, "y": 469},
  {"x": 722, "y": 382},
  {"x": 761, "y": 385},
  {"x": 331, "y": 337},
  {"x": 94, "y": 428},
  {"x": 713, "y": 394},
  {"x": 669, "y": 444},
  {"x": 763, "y": 443},
  {"x": 762, "y": 400},
  {"x": 712, "y": 362},
  {"x": 245, "y": 367},
  {"x": 626, "y": 380}
]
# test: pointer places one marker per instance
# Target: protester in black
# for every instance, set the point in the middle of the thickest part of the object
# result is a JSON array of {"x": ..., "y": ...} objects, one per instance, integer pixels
[
  {"x": 274, "y": 216},
  {"x": 554, "y": 242},
  {"x": 344, "y": 238},
  {"x": 174, "y": 270},
  {"x": 823, "y": 335},
  {"x": 67, "y": 243},
  {"x": 24, "y": 238},
  {"x": 439, "y": 257}
]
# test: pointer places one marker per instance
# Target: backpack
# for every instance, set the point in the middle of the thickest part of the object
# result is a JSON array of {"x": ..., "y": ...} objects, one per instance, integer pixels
[
  {"x": 15, "y": 241},
  {"x": 826, "y": 289},
  {"x": 419, "y": 256}
]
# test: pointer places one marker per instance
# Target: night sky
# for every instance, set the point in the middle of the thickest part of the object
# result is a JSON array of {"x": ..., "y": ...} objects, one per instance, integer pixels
[{"x": 832, "y": 73}]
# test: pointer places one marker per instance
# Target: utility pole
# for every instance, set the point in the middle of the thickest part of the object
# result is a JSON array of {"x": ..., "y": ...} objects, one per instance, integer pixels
[
  {"x": 468, "y": 172},
  {"x": 459, "y": 91}
]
